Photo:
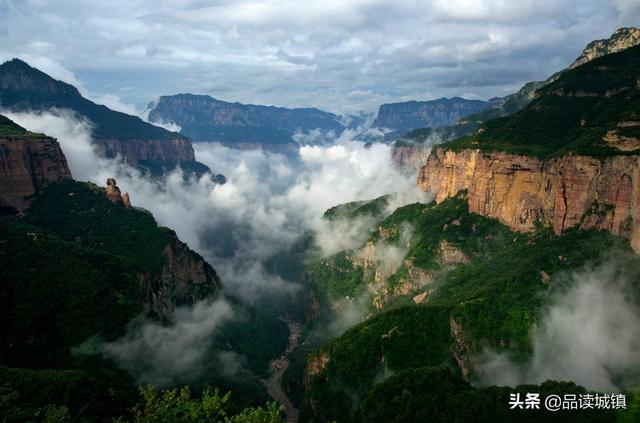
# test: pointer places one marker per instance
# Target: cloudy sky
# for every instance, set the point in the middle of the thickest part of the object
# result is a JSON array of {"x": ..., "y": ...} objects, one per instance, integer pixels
[{"x": 338, "y": 55}]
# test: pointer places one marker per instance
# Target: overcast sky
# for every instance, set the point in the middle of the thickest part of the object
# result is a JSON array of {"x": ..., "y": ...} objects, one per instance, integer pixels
[{"x": 338, "y": 55}]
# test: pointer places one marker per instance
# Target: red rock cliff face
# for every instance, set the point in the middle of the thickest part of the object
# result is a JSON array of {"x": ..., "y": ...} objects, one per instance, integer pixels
[
  {"x": 569, "y": 191},
  {"x": 159, "y": 151},
  {"x": 27, "y": 164}
]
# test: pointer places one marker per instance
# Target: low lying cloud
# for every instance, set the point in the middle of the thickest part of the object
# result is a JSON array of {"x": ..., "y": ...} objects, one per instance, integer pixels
[
  {"x": 389, "y": 256},
  {"x": 589, "y": 334},
  {"x": 165, "y": 355},
  {"x": 268, "y": 202}
]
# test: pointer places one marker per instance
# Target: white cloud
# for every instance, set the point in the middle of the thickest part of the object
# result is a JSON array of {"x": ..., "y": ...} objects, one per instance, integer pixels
[
  {"x": 164, "y": 355},
  {"x": 588, "y": 334},
  {"x": 114, "y": 103},
  {"x": 267, "y": 203}
]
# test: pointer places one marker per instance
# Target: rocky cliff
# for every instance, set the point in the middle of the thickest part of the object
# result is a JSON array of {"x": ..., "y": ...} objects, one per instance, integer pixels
[
  {"x": 156, "y": 151},
  {"x": 621, "y": 39},
  {"x": 520, "y": 191},
  {"x": 185, "y": 279},
  {"x": 114, "y": 195},
  {"x": 28, "y": 162}
]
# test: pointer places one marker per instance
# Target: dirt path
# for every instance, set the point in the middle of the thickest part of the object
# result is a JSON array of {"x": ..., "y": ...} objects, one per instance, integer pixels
[{"x": 278, "y": 367}]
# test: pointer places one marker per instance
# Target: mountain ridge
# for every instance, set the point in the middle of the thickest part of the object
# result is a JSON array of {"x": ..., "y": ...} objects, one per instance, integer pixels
[
  {"x": 207, "y": 119},
  {"x": 24, "y": 88},
  {"x": 405, "y": 116}
]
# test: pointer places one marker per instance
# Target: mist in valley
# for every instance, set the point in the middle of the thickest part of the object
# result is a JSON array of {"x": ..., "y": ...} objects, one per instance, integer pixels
[
  {"x": 588, "y": 333},
  {"x": 267, "y": 204}
]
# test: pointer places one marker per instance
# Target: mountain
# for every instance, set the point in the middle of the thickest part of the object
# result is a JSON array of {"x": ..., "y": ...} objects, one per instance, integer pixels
[
  {"x": 28, "y": 162},
  {"x": 621, "y": 39},
  {"x": 204, "y": 118},
  {"x": 80, "y": 267},
  {"x": 24, "y": 89},
  {"x": 530, "y": 198},
  {"x": 568, "y": 159},
  {"x": 411, "y": 145},
  {"x": 463, "y": 283},
  {"x": 591, "y": 110},
  {"x": 420, "y": 114}
]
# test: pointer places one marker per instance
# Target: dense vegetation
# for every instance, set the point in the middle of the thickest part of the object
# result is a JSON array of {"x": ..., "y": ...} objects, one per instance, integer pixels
[
  {"x": 494, "y": 299},
  {"x": 178, "y": 406},
  {"x": 355, "y": 209},
  {"x": 339, "y": 276},
  {"x": 82, "y": 213},
  {"x": 434, "y": 394},
  {"x": 69, "y": 272},
  {"x": 571, "y": 114},
  {"x": 64, "y": 397},
  {"x": 9, "y": 128},
  {"x": 430, "y": 136},
  {"x": 370, "y": 352}
]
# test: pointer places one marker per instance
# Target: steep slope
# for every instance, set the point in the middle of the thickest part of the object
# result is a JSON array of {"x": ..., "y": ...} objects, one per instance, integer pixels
[
  {"x": 28, "y": 162},
  {"x": 204, "y": 118},
  {"x": 420, "y": 114},
  {"x": 24, "y": 88},
  {"x": 486, "y": 289},
  {"x": 112, "y": 260},
  {"x": 569, "y": 159},
  {"x": 169, "y": 273},
  {"x": 75, "y": 266}
]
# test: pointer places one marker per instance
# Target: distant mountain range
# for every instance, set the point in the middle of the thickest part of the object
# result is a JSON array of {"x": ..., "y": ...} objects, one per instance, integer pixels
[
  {"x": 206, "y": 119},
  {"x": 420, "y": 114},
  {"x": 26, "y": 89}
]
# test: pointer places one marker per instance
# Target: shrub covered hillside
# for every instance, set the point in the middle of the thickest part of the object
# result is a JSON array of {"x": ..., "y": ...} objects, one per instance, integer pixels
[
  {"x": 482, "y": 286},
  {"x": 70, "y": 271}
]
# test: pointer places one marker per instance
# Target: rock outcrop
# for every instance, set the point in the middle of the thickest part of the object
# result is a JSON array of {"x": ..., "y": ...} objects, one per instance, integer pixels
[
  {"x": 564, "y": 192},
  {"x": 621, "y": 39},
  {"x": 114, "y": 195},
  {"x": 27, "y": 164},
  {"x": 185, "y": 279},
  {"x": 126, "y": 201}
]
